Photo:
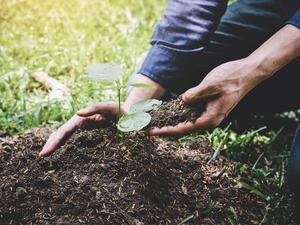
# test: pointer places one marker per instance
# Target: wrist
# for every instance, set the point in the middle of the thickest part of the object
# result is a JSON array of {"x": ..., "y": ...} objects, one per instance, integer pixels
[
  {"x": 137, "y": 94},
  {"x": 257, "y": 68}
]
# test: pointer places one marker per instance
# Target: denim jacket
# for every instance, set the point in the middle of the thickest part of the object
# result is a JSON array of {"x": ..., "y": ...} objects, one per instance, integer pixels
[{"x": 183, "y": 32}]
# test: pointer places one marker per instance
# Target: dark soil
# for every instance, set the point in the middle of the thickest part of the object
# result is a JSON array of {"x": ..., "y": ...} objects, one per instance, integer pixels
[
  {"x": 93, "y": 179},
  {"x": 174, "y": 112}
]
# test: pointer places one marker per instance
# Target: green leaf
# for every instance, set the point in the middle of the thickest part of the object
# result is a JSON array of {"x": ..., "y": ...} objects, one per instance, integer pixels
[
  {"x": 133, "y": 122},
  {"x": 142, "y": 85},
  {"x": 145, "y": 106},
  {"x": 104, "y": 72}
]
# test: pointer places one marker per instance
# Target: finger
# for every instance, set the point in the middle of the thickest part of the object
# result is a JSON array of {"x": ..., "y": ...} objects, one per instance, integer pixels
[
  {"x": 180, "y": 129},
  {"x": 59, "y": 136},
  {"x": 206, "y": 121},
  {"x": 199, "y": 93},
  {"x": 52, "y": 144},
  {"x": 65, "y": 131},
  {"x": 96, "y": 121},
  {"x": 109, "y": 108}
]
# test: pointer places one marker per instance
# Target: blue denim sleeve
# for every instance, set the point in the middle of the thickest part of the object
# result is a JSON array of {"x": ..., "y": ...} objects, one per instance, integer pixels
[
  {"x": 179, "y": 37},
  {"x": 295, "y": 20}
]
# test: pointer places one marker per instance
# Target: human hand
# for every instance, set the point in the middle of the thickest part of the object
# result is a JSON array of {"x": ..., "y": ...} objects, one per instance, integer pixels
[
  {"x": 222, "y": 89},
  {"x": 93, "y": 115}
]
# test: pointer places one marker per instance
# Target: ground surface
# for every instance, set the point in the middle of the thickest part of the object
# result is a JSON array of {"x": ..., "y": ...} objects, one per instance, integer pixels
[{"x": 94, "y": 179}]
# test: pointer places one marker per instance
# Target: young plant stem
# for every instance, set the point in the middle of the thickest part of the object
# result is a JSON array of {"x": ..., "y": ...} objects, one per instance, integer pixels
[
  {"x": 119, "y": 135},
  {"x": 119, "y": 99}
]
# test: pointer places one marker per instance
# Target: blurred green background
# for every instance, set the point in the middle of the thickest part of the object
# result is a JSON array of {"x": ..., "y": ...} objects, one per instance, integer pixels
[{"x": 62, "y": 38}]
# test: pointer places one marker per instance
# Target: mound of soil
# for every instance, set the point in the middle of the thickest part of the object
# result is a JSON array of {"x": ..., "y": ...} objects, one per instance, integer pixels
[
  {"x": 173, "y": 112},
  {"x": 94, "y": 179}
]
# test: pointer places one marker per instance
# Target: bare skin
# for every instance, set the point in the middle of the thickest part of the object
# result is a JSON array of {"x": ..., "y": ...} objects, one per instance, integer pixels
[{"x": 222, "y": 89}]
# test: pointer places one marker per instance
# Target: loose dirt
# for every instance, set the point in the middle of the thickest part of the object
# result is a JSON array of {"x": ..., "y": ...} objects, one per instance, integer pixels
[
  {"x": 173, "y": 112},
  {"x": 140, "y": 180}
]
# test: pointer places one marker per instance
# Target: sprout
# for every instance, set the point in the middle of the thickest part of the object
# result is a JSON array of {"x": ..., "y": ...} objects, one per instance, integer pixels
[{"x": 137, "y": 118}]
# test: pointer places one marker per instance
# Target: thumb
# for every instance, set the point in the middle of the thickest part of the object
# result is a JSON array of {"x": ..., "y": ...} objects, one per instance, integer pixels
[{"x": 198, "y": 93}]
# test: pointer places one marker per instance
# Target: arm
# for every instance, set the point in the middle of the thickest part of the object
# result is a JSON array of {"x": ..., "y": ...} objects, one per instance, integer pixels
[
  {"x": 178, "y": 38},
  {"x": 226, "y": 85},
  {"x": 181, "y": 34}
]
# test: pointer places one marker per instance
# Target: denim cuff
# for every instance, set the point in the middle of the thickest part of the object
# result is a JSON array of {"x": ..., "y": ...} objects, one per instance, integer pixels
[
  {"x": 295, "y": 20},
  {"x": 174, "y": 69}
]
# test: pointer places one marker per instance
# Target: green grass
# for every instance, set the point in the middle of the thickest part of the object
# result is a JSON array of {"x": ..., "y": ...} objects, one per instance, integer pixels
[
  {"x": 260, "y": 158},
  {"x": 63, "y": 37}
]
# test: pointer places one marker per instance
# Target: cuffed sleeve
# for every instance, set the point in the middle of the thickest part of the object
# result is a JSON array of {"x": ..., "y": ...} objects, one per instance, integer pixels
[
  {"x": 179, "y": 38},
  {"x": 295, "y": 20}
]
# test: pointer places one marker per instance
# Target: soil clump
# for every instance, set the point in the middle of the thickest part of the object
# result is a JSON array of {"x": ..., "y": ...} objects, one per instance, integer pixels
[{"x": 173, "y": 112}]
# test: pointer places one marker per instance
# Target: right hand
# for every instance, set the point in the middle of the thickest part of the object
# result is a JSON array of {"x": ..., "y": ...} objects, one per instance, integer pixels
[{"x": 93, "y": 115}]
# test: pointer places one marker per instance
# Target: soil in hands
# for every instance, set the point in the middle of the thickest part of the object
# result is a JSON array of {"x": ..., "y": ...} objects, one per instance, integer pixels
[
  {"x": 94, "y": 179},
  {"x": 176, "y": 111}
]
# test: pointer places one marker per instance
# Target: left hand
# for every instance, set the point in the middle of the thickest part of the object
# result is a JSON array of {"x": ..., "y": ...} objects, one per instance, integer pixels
[{"x": 222, "y": 89}]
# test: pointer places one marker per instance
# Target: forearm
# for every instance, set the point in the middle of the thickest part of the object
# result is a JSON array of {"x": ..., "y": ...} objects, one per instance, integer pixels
[{"x": 275, "y": 53}]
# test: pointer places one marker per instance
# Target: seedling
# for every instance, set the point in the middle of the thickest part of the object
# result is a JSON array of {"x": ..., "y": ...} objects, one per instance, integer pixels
[{"x": 137, "y": 118}]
